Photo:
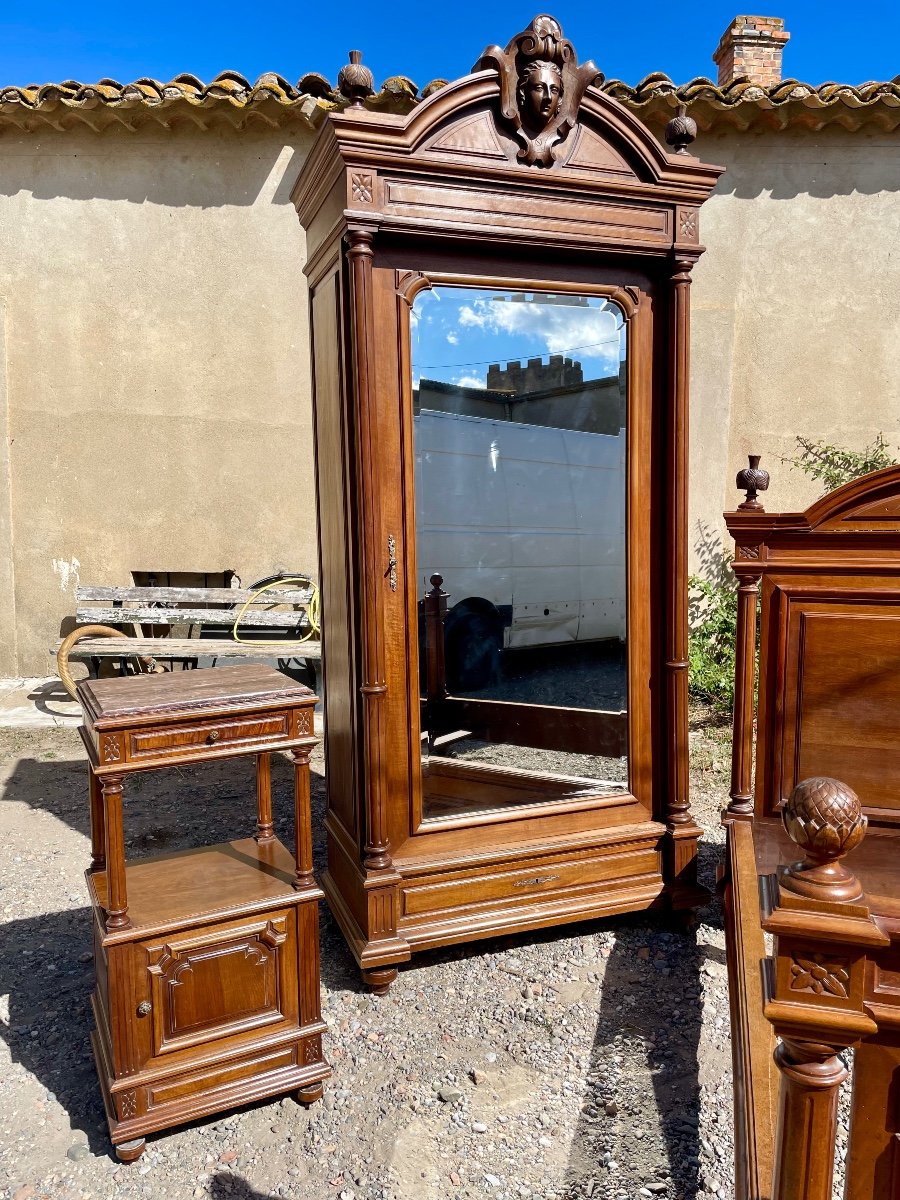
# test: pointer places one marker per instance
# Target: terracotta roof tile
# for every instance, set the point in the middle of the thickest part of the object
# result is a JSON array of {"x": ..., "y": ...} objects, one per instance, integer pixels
[{"x": 273, "y": 100}]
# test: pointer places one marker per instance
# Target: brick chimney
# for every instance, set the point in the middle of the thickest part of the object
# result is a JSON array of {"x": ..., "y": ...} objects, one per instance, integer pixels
[{"x": 752, "y": 47}]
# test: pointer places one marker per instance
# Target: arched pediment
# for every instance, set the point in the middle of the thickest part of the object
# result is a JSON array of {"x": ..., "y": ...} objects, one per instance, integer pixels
[
  {"x": 868, "y": 504},
  {"x": 525, "y": 147},
  {"x": 486, "y": 118}
]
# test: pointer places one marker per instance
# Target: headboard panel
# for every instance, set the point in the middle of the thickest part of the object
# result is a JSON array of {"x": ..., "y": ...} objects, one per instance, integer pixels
[{"x": 829, "y": 658}]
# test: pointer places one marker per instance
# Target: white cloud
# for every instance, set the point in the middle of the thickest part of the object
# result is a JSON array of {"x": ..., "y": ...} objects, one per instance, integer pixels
[
  {"x": 563, "y": 327},
  {"x": 471, "y": 381},
  {"x": 453, "y": 338}
]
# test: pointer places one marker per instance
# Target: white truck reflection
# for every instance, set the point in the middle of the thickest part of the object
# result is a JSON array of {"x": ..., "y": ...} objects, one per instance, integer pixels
[{"x": 526, "y": 524}]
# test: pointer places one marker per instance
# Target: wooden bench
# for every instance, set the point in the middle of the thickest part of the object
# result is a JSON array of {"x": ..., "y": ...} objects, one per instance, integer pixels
[{"x": 193, "y": 624}]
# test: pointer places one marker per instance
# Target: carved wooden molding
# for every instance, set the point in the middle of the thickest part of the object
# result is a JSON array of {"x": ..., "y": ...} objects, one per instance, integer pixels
[
  {"x": 541, "y": 88},
  {"x": 751, "y": 552},
  {"x": 410, "y": 283},
  {"x": 127, "y": 1104}
]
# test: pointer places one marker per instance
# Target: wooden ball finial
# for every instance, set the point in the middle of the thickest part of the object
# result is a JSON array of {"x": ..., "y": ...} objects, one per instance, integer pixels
[
  {"x": 356, "y": 81},
  {"x": 825, "y": 819},
  {"x": 681, "y": 130}
]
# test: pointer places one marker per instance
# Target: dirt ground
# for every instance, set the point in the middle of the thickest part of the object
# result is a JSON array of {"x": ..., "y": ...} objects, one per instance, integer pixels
[{"x": 587, "y": 1061}]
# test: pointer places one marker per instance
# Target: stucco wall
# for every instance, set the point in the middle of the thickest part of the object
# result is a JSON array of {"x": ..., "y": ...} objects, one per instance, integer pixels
[
  {"x": 156, "y": 378},
  {"x": 795, "y": 304}
]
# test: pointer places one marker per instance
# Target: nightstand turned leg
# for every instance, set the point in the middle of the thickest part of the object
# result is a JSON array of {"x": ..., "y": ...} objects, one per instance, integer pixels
[
  {"x": 98, "y": 825},
  {"x": 265, "y": 830},
  {"x": 302, "y": 822},
  {"x": 116, "y": 897}
]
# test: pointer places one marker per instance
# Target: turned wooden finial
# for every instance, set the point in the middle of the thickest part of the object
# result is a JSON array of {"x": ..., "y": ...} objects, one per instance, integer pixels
[
  {"x": 356, "y": 81},
  {"x": 825, "y": 819},
  {"x": 681, "y": 130},
  {"x": 752, "y": 480}
]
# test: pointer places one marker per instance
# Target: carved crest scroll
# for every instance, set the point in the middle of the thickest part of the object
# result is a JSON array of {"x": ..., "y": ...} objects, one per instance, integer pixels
[{"x": 541, "y": 88}]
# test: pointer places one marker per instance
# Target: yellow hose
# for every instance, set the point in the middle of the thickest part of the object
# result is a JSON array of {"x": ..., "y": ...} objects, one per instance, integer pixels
[{"x": 312, "y": 613}]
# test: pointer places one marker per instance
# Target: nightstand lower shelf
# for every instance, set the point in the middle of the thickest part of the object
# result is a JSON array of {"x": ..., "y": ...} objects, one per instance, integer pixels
[{"x": 209, "y": 993}]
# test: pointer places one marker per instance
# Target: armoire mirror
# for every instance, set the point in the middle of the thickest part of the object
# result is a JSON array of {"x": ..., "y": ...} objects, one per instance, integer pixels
[{"x": 519, "y": 418}]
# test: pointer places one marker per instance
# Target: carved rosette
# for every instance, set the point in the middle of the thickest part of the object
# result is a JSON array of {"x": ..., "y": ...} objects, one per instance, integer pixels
[
  {"x": 110, "y": 748},
  {"x": 541, "y": 88},
  {"x": 361, "y": 188},
  {"x": 687, "y": 224},
  {"x": 823, "y": 976}
]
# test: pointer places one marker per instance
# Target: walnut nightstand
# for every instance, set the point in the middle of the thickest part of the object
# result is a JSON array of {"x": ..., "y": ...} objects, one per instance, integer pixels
[{"x": 207, "y": 960}]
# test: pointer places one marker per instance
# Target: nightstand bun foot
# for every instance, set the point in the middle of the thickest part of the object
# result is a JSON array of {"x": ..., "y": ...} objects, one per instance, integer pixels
[
  {"x": 129, "y": 1152},
  {"x": 309, "y": 1094},
  {"x": 379, "y": 979}
]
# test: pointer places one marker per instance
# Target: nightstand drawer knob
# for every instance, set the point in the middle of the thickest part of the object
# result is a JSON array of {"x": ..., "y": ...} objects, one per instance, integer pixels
[
  {"x": 213, "y": 736},
  {"x": 145, "y": 1008}
]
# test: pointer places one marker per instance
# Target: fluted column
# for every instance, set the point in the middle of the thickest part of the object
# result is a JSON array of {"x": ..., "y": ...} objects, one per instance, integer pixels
[
  {"x": 678, "y": 805},
  {"x": 740, "y": 805},
  {"x": 373, "y": 688},
  {"x": 811, "y": 1076}
]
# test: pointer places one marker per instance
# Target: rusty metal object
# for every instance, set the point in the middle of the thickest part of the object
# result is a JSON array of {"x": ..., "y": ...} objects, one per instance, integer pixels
[{"x": 147, "y": 665}]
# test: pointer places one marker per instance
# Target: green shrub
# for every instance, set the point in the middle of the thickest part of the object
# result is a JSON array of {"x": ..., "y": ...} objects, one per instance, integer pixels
[
  {"x": 835, "y": 465},
  {"x": 713, "y": 619}
]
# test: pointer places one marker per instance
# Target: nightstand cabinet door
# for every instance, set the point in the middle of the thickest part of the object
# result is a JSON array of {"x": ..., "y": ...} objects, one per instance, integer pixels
[{"x": 235, "y": 980}]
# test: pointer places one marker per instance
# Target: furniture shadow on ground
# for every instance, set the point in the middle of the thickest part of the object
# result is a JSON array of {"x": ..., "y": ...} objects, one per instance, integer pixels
[
  {"x": 651, "y": 1001},
  {"x": 48, "y": 1031},
  {"x": 225, "y": 1186}
]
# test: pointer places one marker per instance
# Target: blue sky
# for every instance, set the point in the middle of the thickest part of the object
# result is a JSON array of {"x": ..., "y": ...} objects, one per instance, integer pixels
[
  {"x": 457, "y": 332},
  {"x": 92, "y": 39}
]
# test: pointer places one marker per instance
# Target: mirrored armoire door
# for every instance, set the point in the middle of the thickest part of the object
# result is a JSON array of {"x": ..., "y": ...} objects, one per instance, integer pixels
[{"x": 519, "y": 402}]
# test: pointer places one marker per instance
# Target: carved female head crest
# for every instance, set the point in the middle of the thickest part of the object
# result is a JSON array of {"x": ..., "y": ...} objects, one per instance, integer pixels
[{"x": 541, "y": 87}]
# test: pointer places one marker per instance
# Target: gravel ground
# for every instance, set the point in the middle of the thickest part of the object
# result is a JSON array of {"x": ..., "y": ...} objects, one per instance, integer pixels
[{"x": 589, "y": 1061}]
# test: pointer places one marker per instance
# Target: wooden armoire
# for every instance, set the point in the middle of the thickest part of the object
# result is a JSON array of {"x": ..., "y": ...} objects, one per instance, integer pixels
[{"x": 499, "y": 288}]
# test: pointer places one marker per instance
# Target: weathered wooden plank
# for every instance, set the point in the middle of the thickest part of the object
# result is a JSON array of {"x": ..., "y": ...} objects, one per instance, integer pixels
[
  {"x": 100, "y": 647},
  {"x": 174, "y": 595},
  {"x": 147, "y": 614}
]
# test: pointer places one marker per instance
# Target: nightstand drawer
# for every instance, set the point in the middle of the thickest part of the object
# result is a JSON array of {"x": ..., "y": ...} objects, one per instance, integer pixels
[{"x": 214, "y": 735}]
